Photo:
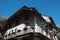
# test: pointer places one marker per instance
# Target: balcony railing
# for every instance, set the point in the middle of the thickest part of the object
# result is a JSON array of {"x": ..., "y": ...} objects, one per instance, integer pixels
[{"x": 21, "y": 32}]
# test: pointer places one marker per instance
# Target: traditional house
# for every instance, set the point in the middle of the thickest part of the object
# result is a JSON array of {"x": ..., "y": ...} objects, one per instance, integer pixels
[{"x": 29, "y": 24}]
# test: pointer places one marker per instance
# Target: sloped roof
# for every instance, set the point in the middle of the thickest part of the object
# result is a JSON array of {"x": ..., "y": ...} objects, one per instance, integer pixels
[
  {"x": 19, "y": 12},
  {"x": 49, "y": 20}
]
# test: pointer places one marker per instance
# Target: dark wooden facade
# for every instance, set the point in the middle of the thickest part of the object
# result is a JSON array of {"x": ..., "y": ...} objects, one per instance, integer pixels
[{"x": 26, "y": 13}]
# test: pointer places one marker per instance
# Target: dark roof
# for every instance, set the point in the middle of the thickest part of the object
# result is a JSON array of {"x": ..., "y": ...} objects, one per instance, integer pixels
[
  {"x": 52, "y": 22},
  {"x": 19, "y": 12}
]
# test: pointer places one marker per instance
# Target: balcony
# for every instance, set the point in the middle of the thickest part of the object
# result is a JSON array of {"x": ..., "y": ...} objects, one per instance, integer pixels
[{"x": 21, "y": 32}]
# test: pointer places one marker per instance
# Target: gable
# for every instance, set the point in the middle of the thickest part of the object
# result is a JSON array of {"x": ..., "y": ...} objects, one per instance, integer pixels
[{"x": 24, "y": 11}]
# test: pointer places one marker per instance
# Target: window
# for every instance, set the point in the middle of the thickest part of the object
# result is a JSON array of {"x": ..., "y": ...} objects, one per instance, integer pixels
[{"x": 41, "y": 24}]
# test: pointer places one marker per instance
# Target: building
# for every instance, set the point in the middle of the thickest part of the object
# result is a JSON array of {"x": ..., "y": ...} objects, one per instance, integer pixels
[
  {"x": 29, "y": 24},
  {"x": 58, "y": 31},
  {"x": 2, "y": 21}
]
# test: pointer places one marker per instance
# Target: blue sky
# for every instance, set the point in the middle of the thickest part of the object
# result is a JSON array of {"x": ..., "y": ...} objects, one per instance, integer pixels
[{"x": 45, "y": 7}]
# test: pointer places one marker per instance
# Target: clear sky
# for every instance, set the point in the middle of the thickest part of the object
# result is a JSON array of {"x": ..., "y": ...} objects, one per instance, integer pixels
[{"x": 45, "y": 7}]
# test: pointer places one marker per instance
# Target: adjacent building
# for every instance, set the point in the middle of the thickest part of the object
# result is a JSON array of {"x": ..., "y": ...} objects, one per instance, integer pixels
[
  {"x": 58, "y": 31},
  {"x": 2, "y": 22},
  {"x": 29, "y": 24}
]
